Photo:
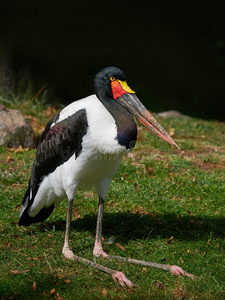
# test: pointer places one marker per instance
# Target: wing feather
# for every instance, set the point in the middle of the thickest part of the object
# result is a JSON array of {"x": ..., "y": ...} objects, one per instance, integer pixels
[{"x": 58, "y": 142}]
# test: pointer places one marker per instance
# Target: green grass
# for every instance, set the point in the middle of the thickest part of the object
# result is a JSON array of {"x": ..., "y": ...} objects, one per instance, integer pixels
[
  {"x": 157, "y": 193},
  {"x": 25, "y": 96}
]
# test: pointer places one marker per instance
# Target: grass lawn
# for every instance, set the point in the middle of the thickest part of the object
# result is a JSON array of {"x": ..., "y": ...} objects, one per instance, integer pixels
[{"x": 163, "y": 206}]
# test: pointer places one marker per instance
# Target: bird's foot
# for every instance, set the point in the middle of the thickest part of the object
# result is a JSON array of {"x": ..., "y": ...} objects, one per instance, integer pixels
[
  {"x": 122, "y": 279},
  {"x": 68, "y": 253},
  {"x": 176, "y": 270},
  {"x": 117, "y": 276},
  {"x": 98, "y": 251}
]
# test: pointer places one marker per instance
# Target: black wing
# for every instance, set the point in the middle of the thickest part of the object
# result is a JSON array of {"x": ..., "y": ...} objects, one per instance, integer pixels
[{"x": 56, "y": 145}]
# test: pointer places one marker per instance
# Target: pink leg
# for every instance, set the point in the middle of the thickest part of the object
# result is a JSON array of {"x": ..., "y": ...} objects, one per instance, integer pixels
[
  {"x": 66, "y": 248},
  {"x": 98, "y": 250},
  {"x": 68, "y": 253}
]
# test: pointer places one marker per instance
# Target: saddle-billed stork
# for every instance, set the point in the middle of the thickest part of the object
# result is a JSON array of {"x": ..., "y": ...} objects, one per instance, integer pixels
[{"x": 82, "y": 146}]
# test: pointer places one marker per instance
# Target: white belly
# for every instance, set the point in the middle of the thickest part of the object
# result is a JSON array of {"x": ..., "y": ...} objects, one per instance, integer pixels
[{"x": 97, "y": 171}]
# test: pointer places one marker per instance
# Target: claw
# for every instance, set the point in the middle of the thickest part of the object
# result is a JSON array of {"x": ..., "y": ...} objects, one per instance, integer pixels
[
  {"x": 180, "y": 272},
  {"x": 122, "y": 279}
]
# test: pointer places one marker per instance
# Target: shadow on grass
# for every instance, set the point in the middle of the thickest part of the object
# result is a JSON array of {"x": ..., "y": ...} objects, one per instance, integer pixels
[
  {"x": 130, "y": 226},
  {"x": 21, "y": 287}
]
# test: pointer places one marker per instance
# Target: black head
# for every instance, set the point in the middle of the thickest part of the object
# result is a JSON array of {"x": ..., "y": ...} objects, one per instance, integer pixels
[
  {"x": 102, "y": 82},
  {"x": 110, "y": 83}
]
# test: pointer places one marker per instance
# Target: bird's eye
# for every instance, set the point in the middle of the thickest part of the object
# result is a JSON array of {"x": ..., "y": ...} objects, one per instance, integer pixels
[{"x": 112, "y": 78}]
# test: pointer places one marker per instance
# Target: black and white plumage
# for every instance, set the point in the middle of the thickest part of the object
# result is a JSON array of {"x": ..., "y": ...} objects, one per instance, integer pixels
[
  {"x": 56, "y": 146},
  {"x": 83, "y": 146}
]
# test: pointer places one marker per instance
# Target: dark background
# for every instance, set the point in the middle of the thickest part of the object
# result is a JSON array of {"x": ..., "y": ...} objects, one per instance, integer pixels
[{"x": 173, "y": 53}]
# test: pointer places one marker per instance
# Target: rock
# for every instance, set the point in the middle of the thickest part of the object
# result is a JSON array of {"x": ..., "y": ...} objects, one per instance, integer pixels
[
  {"x": 15, "y": 129},
  {"x": 172, "y": 114}
]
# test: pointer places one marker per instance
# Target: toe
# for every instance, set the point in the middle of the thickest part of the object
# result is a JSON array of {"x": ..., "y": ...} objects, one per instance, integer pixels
[
  {"x": 180, "y": 272},
  {"x": 123, "y": 280}
]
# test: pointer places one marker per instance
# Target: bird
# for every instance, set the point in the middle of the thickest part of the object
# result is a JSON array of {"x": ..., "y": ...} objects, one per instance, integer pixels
[{"x": 82, "y": 146}]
